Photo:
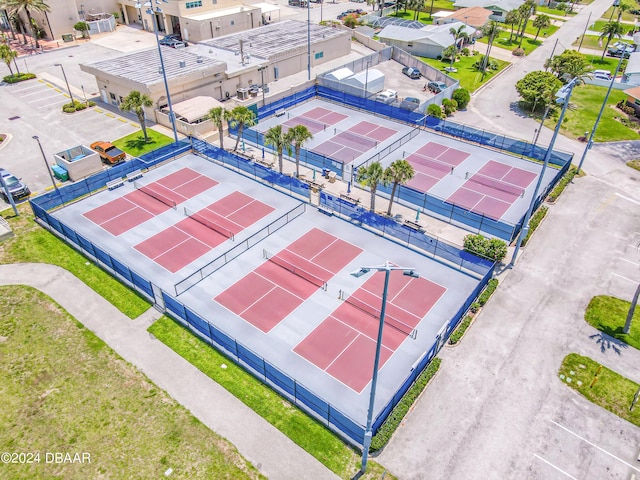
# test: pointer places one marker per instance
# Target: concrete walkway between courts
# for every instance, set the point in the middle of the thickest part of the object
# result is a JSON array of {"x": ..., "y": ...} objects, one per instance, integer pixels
[{"x": 275, "y": 455}]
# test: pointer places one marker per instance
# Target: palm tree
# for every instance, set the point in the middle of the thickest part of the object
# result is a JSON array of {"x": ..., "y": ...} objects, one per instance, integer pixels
[
  {"x": 610, "y": 30},
  {"x": 370, "y": 176},
  {"x": 136, "y": 102},
  {"x": 458, "y": 34},
  {"x": 491, "y": 30},
  {"x": 7, "y": 55},
  {"x": 623, "y": 7},
  {"x": 450, "y": 52},
  {"x": 431, "y": 11},
  {"x": 219, "y": 116},
  {"x": 28, "y": 6},
  {"x": 541, "y": 21},
  {"x": 241, "y": 117},
  {"x": 527, "y": 9},
  {"x": 398, "y": 173},
  {"x": 279, "y": 140},
  {"x": 6, "y": 16},
  {"x": 298, "y": 135},
  {"x": 415, "y": 6},
  {"x": 512, "y": 18}
]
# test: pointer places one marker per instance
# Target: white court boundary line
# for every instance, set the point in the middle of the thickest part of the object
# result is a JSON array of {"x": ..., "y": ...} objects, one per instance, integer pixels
[
  {"x": 553, "y": 466},
  {"x": 595, "y": 446}
]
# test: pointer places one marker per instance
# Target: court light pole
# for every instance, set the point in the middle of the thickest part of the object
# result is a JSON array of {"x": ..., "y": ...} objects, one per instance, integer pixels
[
  {"x": 602, "y": 107},
  {"x": 562, "y": 96},
  {"x": 65, "y": 81},
  {"x": 153, "y": 11},
  {"x": 46, "y": 164},
  {"x": 308, "y": 39},
  {"x": 387, "y": 268}
]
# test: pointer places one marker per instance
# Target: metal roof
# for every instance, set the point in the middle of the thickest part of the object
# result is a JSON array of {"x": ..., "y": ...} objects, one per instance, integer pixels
[
  {"x": 144, "y": 66},
  {"x": 274, "y": 39},
  {"x": 386, "y": 21}
]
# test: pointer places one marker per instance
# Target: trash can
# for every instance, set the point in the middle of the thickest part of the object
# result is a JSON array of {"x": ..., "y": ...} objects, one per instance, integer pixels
[{"x": 60, "y": 173}]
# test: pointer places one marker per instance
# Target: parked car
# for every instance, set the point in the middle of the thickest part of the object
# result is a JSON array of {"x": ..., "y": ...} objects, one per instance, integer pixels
[
  {"x": 175, "y": 44},
  {"x": 17, "y": 189},
  {"x": 621, "y": 49},
  {"x": 602, "y": 75},
  {"x": 109, "y": 153},
  {"x": 436, "y": 87},
  {"x": 410, "y": 103},
  {"x": 411, "y": 72},
  {"x": 388, "y": 96},
  {"x": 169, "y": 39}
]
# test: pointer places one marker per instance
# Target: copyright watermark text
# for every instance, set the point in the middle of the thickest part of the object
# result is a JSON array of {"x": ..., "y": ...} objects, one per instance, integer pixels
[{"x": 45, "y": 457}]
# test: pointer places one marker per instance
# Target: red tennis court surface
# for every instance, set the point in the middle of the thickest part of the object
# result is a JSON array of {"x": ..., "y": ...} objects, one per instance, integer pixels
[
  {"x": 189, "y": 239},
  {"x": 134, "y": 208},
  {"x": 344, "y": 344},
  {"x": 316, "y": 120},
  {"x": 431, "y": 163},
  {"x": 493, "y": 189},
  {"x": 349, "y": 144},
  {"x": 272, "y": 291}
]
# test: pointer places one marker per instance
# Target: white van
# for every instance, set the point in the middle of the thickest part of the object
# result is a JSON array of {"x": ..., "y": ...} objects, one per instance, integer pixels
[{"x": 388, "y": 96}]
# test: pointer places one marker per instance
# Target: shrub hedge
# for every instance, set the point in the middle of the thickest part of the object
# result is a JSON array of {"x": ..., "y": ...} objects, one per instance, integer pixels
[
  {"x": 564, "y": 181},
  {"x": 488, "y": 291},
  {"x": 18, "y": 77},
  {"x": 535, "y": 220},
  {"x": 459, "y": 332},
  {"x": 76, "y": 106},
  {"x": 493, "y": 249},
  {"x": 398, "y": 413}
]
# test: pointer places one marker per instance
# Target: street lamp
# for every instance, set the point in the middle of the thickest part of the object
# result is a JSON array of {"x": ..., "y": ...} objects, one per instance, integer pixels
[
  {"x": 386, "y": 268},
  {"x": 65, "y": 81},
  {"x": 366, "y": 79},
  {"x": 153, "y": 11},
  {"x": 562, "y": 96},
  {"x": 261, "y": 70},
  {"x": 46, "y": 164},
  {"x": 595, "y": 125},
  {"x": 308, "y": 39}
]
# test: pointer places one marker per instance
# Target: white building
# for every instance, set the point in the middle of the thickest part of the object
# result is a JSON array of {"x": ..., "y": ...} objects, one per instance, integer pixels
[
  {"x": 499, "y": 8},
  {"x": 428, "y": 42}
]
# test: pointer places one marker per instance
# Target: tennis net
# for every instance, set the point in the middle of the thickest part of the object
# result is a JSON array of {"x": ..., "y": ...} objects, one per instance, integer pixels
[
  {"x": 308, "y": 122},
  {"x": 369, "y": 142},
  {"x": 300, "y": 272},
  {"x": 496, "y": 184},
  {"x": 153, "y": 194},
  {"x": 208, "y": 223},
  {"x": 388, "y": 320},
  {"x": 435, "y": 164}
]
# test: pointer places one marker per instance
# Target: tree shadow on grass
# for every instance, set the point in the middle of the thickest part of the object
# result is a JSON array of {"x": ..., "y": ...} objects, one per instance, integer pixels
[
  {"x": 610, "y": 338},
  {"x": 139, "y": 143}
]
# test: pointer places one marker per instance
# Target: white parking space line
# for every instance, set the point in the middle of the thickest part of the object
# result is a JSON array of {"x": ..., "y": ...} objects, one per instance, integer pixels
[
  {"x": 629, "y": 261},
  {"x": 42, "y": 99},
  {"x": 629, "y": 199},
  {"x": 626, "y": 278},
  {"x": 59, "y": 102},
  {"x": 595, "y": 446},
  {"x": 40, "y": 87},
  {"x": 553, "y": 466},
  {"x": 39, "y": 92}
]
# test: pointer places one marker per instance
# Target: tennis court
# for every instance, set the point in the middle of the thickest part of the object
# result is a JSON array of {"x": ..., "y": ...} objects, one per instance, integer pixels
[
  {"x": 493, "y": 189},
  {"x": 347, "y": 145},
  {"x": 273, "y": 290},
  {"x": 149, "y": 200},
  {"x": 317, "y": 119},
  {"x": 178, "y": 245},
  {"x": 432, "y": 162},
  {"x": 344, "y": 344}
]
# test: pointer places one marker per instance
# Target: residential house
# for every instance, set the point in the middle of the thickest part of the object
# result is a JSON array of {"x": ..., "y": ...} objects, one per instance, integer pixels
[{"x": 428, "y": 42}]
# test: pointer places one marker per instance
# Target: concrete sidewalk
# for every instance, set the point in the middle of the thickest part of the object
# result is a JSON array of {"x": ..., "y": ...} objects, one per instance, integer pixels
[{"x": 264, "y": 446}]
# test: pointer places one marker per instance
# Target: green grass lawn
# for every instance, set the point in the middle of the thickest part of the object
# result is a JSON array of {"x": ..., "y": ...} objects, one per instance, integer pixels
[
  {"x": 409, "y": 15},
  {"x": 583, "y": 111},
  {"x": 469, "y": 76},
  {"x": 635, "y": 164},
  {"x": 298, "y": 426},
  {"x": 626, "y": 16},
  {"x": 609, "y": 314},
  {"x": 553, "y": 11},
  {"x": 64, "y": 390},
  {"x": 32, "y": 243},
  {"x": 531, "y": 30},
  {"x": 502, "y": 41},
  {"x": 601, "y": 386},
  {"x": 608, "y": 63},
  {"x": 135, "y": 145}
]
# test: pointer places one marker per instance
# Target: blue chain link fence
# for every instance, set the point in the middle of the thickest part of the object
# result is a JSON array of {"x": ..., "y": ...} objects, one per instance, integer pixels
[{"x": 347, "y": 428}]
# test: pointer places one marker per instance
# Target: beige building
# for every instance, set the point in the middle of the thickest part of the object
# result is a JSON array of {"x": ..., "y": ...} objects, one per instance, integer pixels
[
  {"x": 219, "y": 67},
  {"x": 194, "y": 20}
]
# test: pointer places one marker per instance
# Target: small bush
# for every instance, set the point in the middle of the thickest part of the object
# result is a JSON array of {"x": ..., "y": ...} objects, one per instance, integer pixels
[
  {"x": 488, "y": 291},
  {"x": 76, "y": 106},
  {"x": 449, "y": 106},
  {"x": 18, "y": 77},
  {"x": 622, "y": 105},
  {"x": 459, "y": 332},
  {"x": 465, "y": 52},
  {"x": 519, "y": 52},
  {"x": 535, "y": 220},
  {"x": 462, "y": 96},
  {"x": 390, "y": 425},
  {"x": 474, "y": 307},
  {"x": 493, "y": 249},
  {"x": 434, "y": 110}
]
